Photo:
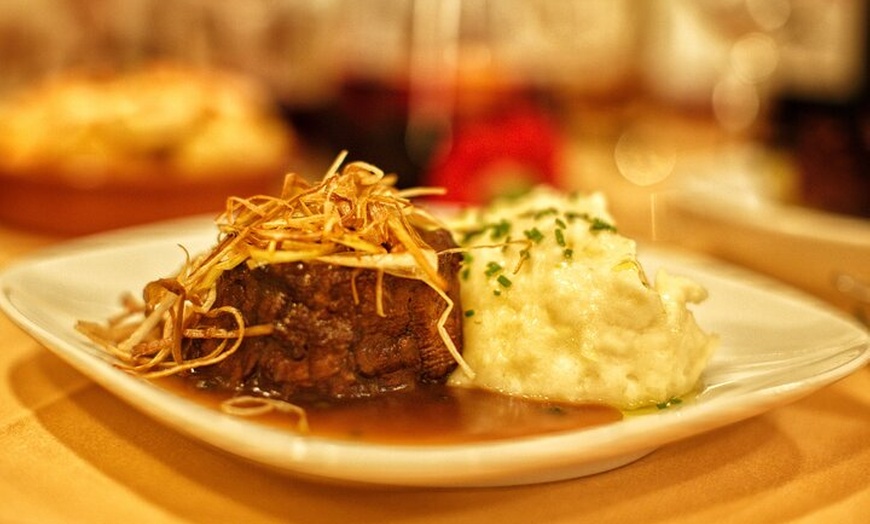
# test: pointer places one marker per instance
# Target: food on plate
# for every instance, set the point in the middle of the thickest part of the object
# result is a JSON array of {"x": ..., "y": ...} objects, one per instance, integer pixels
[
  {"x": 328, "y": 339},
  {"x": 333, "y": 290},
  {"x": 557, "y": 306},
  {"x": 345, "y": 289},
  {"x": 110, "y": 149}
]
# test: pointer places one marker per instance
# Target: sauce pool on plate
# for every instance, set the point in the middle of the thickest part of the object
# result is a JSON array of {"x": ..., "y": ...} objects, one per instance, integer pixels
[{"x": 431, "y": 414}]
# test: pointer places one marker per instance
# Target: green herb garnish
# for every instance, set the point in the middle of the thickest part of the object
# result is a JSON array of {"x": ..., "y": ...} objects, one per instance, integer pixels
[
  {"x": 507, "y": 243},
  {"x": 502, "y": 228},
  {"x": 596, "y": 224},
  {"x": 573, "y": 215},
  {"x": 544, "y": 212},
  {"x": 497, "y": 230},
  {"x": 673, "y": 401},
  {"x": 492, "y": 268},
  {"x": 534, "y": 234},
  {"x": 560, "y": 238}
]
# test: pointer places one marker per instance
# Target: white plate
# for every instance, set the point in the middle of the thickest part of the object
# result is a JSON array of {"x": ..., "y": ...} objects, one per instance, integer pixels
[{"x": 777, "y": 346}]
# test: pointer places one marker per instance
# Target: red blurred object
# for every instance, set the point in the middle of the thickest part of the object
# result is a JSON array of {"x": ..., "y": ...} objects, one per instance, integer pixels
[{"x": 497, "y": 155}]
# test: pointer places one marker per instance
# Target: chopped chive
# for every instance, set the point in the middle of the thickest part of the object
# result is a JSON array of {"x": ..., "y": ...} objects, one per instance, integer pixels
[
  {"x": 572, "y": 216},
  {"x": 544, "y": 212},
  {"x": 561, "y": 223},
  {"x": 496, "y": 292},
  {"x": 466, "y": 272},
  {"x": 534, "y": 234},
  {"x": 539, "y": 213},
  {"x": 497, "y": 230},
  {"x": 560, "y": 238},
  {"x": 596, "y": 224},
  {"x": 504, "y": 281},
  {"x": 568, "y": 253},
  {"x": 500, "y": 229},
  {"x": 492, "y": 268},
  {"x": 673, "y": 401},
  {"x": 469, "y": 235},
  {"x": 469, "y": 313}
]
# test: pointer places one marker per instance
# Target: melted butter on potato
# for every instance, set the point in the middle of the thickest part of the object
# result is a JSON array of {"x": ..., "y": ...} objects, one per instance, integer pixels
[{"x": 558, "y": 307}]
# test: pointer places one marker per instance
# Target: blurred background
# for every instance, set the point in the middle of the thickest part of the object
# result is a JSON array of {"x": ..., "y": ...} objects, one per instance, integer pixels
[{"x": 761, "y": 100}]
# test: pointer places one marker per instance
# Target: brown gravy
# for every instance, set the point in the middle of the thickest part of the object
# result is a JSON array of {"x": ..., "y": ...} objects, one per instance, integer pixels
[{"x": 434, "y": 414}]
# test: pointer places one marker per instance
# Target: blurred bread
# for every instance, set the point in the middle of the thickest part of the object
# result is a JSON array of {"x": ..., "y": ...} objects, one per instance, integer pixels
[{"x": 113, "y": 150}]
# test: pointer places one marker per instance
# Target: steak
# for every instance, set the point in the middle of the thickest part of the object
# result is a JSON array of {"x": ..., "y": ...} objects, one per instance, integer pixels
[{"x": 328, "y": 340}]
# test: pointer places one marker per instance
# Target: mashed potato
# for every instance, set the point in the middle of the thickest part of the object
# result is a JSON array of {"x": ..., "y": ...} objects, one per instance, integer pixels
[{"x": 558, "y": 307}]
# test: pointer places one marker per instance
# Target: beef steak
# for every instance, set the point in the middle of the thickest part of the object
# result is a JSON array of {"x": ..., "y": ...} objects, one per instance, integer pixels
[{"x": 327, "y": 344}]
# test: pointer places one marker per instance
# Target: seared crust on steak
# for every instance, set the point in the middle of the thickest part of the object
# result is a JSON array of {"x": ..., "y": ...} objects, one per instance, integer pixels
[{"x": 327, "y": 344}]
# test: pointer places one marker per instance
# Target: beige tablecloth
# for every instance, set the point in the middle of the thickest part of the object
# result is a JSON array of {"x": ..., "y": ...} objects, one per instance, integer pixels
[{"x": 70, "y": 452}]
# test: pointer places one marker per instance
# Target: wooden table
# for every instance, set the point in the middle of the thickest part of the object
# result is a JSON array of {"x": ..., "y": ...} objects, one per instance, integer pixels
[{"x": 70, "y": 452}]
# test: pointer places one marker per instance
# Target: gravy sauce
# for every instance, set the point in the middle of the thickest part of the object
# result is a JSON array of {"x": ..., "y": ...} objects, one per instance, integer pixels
[{"x": 432, "y": 414}]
